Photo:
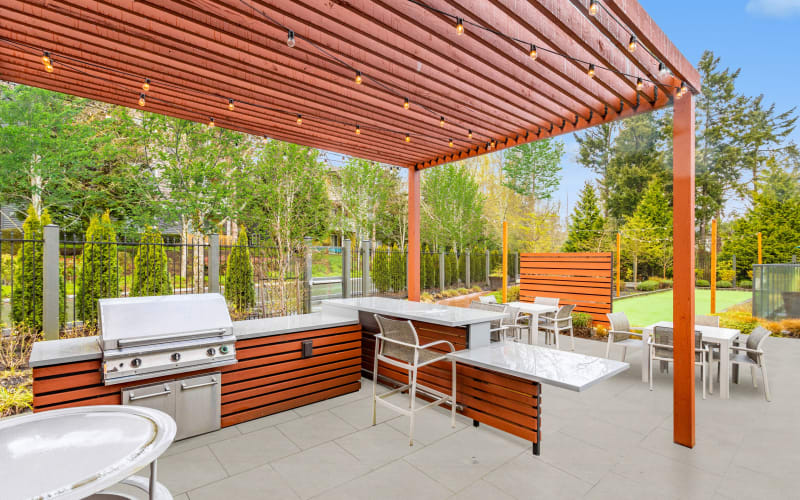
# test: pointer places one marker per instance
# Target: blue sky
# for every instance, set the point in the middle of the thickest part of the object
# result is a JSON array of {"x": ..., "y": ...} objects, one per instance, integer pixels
[{"x": 758, "y": 36}]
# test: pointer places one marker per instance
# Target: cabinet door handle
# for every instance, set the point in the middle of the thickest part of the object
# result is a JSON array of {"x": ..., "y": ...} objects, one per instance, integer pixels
[
  {"x": 187, "y": 387},
  {"x": 162, "y": 393}
]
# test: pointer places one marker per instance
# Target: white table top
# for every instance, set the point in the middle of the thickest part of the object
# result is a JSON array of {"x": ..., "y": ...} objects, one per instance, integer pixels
[
  {"x": 419, "y": 311},
  {"x": 710, "y": 333},
  {"x": 568, "y": 370},
  {"x": 75, "y": 452},
  {"x": 265, "y": 327},
  {"x": 530, "y": 307}
]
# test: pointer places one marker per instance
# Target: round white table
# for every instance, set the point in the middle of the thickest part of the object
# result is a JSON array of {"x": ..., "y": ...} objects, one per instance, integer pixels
[{"x": 76, "y": 452}]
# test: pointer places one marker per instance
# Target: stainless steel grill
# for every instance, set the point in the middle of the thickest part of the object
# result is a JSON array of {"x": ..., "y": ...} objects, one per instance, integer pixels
[{"x": 147, "y": 337}]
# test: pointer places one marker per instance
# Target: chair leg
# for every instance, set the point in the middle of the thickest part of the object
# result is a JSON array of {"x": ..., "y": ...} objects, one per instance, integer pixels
[
  {"x": 703, "y": 371},
  {"x": 608, "y": 346},
  {"x": 572, "y": 336},
  {"x": 555, "y": 336},
  {"x": 651, "y": 371},
  {"x": 766, "y": 381},
  {"x": 453, "y": 396},
  {"x": 413, "y": 393},
  {"x": 624, "y": 352},
  {"x": 753, "y": 375},
  {"x": 375, "y": 387},
  {"x": 711, "y": 377}
]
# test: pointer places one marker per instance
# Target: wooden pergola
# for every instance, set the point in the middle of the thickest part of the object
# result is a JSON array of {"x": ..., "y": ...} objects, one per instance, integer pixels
[{"x": 335, "y": 75}]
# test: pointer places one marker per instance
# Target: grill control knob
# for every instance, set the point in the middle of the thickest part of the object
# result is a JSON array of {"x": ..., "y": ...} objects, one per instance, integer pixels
[
  {"x": 223, "y": 349},
  {"x": 136, "y": 362},
  {"x": 211, "y": 351},
  {"x": 176, "y": 356}
]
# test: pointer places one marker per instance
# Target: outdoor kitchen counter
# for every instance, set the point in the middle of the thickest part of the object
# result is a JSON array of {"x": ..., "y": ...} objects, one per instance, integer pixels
[
  {"x": 255, "y": 328},
  {"x": 55, "y": 352}
]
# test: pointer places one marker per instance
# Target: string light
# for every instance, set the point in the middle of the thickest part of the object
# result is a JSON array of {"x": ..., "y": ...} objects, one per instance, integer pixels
[
  {"x": 211, "y": 123},
  {"x": 639, "y": 84},
  {"x": 141, "y": 99},
  {"x": 632, "y": 44},
  {"x": 593, "y": 8},
  {"x": 533, "y": 52},
  {"x": 451, "y": 143},
  {"x": 408, "y": 138},
  {"x": 591, "y": 71},
  {"x": 230, "y": 104},
  {"x": 406, "y": 104},
  {"x": 146, "y": 85},
  {"x": 299, "y": 119},
  {"x": 358, "y": 130},
  {"x": 684, "y": 88},
  {"x": 469, "y": 134},
  {"x": 264, "y": 139},
  {"x": 48, "y": 63},
  {"x": 441, "y": 121},
  {"x": 358, "y": 78},
  {"x": 459, "y": 26},
  {"x": 290, "y": 39}
]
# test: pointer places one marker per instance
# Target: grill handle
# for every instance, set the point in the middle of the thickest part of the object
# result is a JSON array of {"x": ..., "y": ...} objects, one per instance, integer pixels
[
  {"x": 146, "y": 396},
  {"x": 172, "y": 337},
  {"x": 185, "y": 387}
]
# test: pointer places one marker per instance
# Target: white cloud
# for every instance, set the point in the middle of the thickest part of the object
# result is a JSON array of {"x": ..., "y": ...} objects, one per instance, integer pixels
[{"x": 774, "y": 8}]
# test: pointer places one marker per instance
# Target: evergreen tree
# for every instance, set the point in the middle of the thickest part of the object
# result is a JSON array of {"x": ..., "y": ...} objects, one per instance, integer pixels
[
  {"x": 532, "y": 169},
  {"x": 595, "y": 152},
  {"x": 150, "y": 266},
  {"x": 381, "y": 278},
  {"x": 239, "y": 283},
  {"x": 586, "y": 224},
  {"x": 99, "y": 275}
]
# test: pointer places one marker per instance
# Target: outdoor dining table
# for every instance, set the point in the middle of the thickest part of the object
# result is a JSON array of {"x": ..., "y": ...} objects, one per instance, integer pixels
[
  {"x": 723, "y": 337},
  {"x": 74, "y": 453},
  {"x": 533, "y": 310}
]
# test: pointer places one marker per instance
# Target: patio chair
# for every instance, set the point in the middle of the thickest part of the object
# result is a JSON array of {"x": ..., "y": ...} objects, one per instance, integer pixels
[
  {"x": 560, "y": 322},
  {"x": 662, "y": 349},
  {"x": 499, "y": 329},
  {"x": 751, "y": 354},
  {"x": 487, "y": 299},
  {"x": 620, "y": 334},
  {"x": 706, "y": 320},
  {"x": 398, "y": 345}
]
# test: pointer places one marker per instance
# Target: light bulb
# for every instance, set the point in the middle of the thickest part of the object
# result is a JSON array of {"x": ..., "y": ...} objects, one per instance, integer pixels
[
  {"x": 46, "y": 58},
  {"x": 591, "y": 71},
  {"x": 451, "y": 143},
  {"x": 469, "y": 134},
  {"x": 406, "y": 104},
  {"x": 533, "y": 52},
  {"x": 488, "y": 145},
  {"x": 211, "y": 122},
  {"x": 231, "y": 106},
  {"x": 408, "y": 138},
  {"x": 459, "y": 26},
  {"x": 358, "y": 78},
  {"x": 290, "y": 39},
  {"x": 264, "y": 139},
  {"x": 639, "y": 84},
  {"x": 141, "y": 99},
  {"x": 684, "y": 88},
  {"x": 299, "y": 119},
  {"x": 146, "y": 85},
  {"x": 358, "y": 130},
  {"x": 632, "y": 44},
  {"x": 48, "y": 68},
  {"x": 441, "y": 121},
  {"x": 593, "y": 7}
]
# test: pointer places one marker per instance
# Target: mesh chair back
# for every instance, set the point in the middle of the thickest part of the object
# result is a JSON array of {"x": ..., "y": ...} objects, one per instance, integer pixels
[
  {"x": 489, "y": 307},
  {"x": 706, "y": 320},
  {"x": 564, "y": 311},
  {"x": 664, "y": 336},
  {"x": 488, "y": 299},
  {"x": 546, "y": 301},
  {"x": 619, "y": 323},
  {"x": 401, "y": 330},
  {"x": 512, "y": 314},
  {"x": 754, "y": 341}
]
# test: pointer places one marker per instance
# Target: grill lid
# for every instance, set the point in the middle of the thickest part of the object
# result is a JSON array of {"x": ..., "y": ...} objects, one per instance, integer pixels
[{"x": 133, "y": 321}]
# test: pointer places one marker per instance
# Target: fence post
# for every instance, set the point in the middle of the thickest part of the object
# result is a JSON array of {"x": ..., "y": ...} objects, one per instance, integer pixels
[
  {"x": 213, "y": 263},
  {"x": 488, "y": 268},
  {"x": 347, "y": 291},
  {"x": 794, "y": 259},
  {"x": 441, "y": 270},
  {"x": 467, "y": 264},
  {"x": 365, "y": 277},
  {"x": 50, "y": 292},
  {"x": 733, "y": 264},
  {"x": 516, "y": 267},
  {"x": 308, "y": 277}
]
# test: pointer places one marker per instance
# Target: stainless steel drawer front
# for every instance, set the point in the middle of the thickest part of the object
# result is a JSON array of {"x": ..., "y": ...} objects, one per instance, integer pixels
[
  {"x": 198, "y": 404},
  {"x": 159, "y": 396}
]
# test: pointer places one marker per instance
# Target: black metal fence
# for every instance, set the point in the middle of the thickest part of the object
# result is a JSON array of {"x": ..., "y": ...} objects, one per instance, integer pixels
[
  {"x": 20, "y": 281},
  {"x": 776, "y": 291}
]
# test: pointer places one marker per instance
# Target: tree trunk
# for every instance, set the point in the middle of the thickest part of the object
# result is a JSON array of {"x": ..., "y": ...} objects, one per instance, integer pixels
[{"x": 635, "y": 268}]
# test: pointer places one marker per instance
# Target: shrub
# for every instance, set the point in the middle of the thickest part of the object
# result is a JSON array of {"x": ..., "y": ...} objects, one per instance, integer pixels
[
  {"x": 791, "y": 327},
  {"x": 150, "y": 272},
  {"x": 476, "y": 288},
  {"x": 99, "y": 278},
  {"x": 15, "y": 348},
  {"x": 397, "y": 269},
  {"x": 462, "y": 291},
  {"x": 726, "y": 274},
  {"x": 513, "y": 294},
  {"x": 665, "y": 284},
  {"x": 581, "y": 320},
  {"x": 702, "y": 283},
  {"x": 647, "y": 286},
  {"x": 745, "y": 284},
  {"x": 724, "y": 284},
  {"x": 380, "y": 269},
  {"x": 15, "y": 400},
  {"x": 239, "y": 283},
  {"x": 738, "y": 320},
  {"x": 601, "y": 331},
  {"x": 426, "y": 297}
]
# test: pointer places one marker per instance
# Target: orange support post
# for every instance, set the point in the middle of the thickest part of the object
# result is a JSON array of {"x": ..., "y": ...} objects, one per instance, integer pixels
[
  {"x": 759, "y": 247},
  {"x": 412, "y": 277},
  {"x": 618, "y": 264},
  {"x": 505, "y": 262},
  {"x": 683, "y": 283},
  {"x": 713, "y": 266}
]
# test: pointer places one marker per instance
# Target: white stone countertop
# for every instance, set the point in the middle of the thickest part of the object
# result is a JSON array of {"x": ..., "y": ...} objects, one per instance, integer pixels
[
  {"x": 419, "y": 311},
  {"x": 55, "y": 352},
  {"x": 253, "y": 328},
  {"x": 568, "y": 370}
]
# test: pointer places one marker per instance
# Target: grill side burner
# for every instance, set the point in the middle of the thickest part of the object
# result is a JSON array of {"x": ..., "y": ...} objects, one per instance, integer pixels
[{"x": 147, "y": 337}]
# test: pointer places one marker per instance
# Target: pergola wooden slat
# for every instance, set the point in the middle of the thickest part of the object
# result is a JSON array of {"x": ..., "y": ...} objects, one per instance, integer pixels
[{"x": 198, "y": 54}]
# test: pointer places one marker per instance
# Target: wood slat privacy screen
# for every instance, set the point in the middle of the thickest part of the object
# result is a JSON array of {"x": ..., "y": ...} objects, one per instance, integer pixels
[{"x": 583, "y": 279}]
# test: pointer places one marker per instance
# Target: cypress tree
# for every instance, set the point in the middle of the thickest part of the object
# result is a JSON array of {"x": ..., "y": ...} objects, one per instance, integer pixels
[
  {"x": 98, "y": 277},
  {"x": 586, "y": 224},
  {"x": 380, "y": 269},
  {"x": 150, "y": 266},
  {"x": 26, "y": 298},
  {"x": 239, "y": 283}
]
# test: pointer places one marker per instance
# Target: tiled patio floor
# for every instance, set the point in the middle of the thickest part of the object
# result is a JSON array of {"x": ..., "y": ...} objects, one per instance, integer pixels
[{"x": 613, "y": 441}]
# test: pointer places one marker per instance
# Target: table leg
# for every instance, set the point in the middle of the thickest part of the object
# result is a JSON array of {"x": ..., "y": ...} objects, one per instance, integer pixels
[
  {"x": 153, "y": 480},
  {"x": 724, "y": 369},
  {"x": 535, "y": 328},
  {"x": 645, "y": 356}
]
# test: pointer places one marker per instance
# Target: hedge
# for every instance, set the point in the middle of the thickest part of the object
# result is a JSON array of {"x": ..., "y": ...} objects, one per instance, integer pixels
[
  {"x": 703, "y": 283},
  {"x": 745, "y": 284},
  {"x": 724, "y": 284},
  {"x": 239, "y": 282},
  {"x": 150, "y": 266},
  {"x": 647, "y": 286},
  {"x": 99, "y": 275}
]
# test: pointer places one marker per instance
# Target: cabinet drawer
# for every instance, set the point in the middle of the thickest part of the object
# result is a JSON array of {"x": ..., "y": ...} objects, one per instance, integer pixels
[
  {"x": 197, "y": 405},
  {"x": 160, "y": 396}
]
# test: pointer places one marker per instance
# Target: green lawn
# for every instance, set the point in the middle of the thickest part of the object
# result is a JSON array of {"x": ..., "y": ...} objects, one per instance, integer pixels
[
  {"x": 649, "y": 309},
  {"x": 325, "y": 265}
]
